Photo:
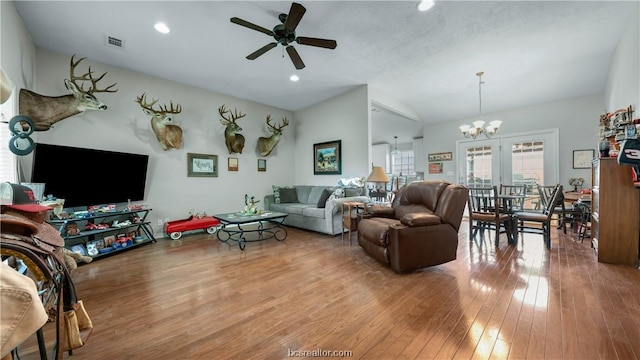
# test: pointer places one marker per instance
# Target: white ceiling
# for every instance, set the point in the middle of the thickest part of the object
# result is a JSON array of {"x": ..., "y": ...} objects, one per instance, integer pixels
[{"x": 531, "y": 51}]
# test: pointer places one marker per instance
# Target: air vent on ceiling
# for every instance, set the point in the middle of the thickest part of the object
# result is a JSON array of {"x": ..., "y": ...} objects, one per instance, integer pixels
[{"x": 115, "y": 42}]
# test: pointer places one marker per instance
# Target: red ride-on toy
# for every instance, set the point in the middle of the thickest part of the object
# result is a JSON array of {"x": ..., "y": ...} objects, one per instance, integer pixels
[{"x": 175, "y": 228}]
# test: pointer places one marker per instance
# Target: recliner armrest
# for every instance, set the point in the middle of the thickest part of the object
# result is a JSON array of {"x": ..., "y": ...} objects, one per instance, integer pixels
[
  {"x": 381, "y": 211},
  {"x": 420, "y": 219}
]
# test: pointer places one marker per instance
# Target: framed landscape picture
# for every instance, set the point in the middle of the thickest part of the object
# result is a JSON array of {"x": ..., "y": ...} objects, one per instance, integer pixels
[
  {"x": 202, "y": 165},
  {"x": 327, "y": 158}
]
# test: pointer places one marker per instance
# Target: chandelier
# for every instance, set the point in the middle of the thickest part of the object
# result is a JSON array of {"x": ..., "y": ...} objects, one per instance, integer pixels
[{"x": 477, "y": 128}]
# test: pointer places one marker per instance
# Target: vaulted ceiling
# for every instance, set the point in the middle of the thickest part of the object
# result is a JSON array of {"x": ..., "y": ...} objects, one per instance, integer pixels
[{"x": 532, "y": 52}]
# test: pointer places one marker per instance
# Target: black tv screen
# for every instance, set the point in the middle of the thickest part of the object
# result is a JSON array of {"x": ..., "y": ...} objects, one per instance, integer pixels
[{"x": 85, "y": 177}]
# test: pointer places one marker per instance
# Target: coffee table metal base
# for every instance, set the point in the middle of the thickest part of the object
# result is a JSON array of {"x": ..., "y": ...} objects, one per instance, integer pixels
[{"x": 235, "y": 228}]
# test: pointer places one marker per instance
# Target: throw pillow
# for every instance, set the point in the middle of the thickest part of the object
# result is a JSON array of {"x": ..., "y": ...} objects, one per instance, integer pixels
[
  {"x": 324, "y": 197},
  {"x": 349, "y": 192},
  {"x": 288, "y": 195},
  {"x": 339, "y": 193},
  {"x": 277, "y": 194}
]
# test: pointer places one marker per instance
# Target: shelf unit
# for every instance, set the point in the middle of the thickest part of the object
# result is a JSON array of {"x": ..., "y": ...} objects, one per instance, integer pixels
[
  {"x": 615, "y": 217},
  {"x": 141, "y": 228}
]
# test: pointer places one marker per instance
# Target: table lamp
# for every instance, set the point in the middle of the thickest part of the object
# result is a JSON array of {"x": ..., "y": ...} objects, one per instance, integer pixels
[{"x": 378, "y": 175}]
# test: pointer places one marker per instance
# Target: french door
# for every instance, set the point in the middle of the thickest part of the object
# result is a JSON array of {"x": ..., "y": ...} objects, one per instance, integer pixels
[{"x": 527, "y": 158}]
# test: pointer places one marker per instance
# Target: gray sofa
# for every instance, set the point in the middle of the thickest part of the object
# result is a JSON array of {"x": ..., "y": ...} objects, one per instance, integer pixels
[{"x": 305, "y": 213}]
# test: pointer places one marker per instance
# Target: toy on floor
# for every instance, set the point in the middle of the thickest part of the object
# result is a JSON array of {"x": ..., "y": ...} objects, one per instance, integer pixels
[
  {"x": 175, "y": 228},
  {"x": 71, "y": 259}
]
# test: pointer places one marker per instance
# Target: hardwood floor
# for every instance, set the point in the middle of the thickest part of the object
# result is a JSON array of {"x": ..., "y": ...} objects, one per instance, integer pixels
[{"x": 198, "y": 298}]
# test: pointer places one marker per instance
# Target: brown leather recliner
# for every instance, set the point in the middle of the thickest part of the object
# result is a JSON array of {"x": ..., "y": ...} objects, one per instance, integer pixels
[{"x": 420, "y": 228}]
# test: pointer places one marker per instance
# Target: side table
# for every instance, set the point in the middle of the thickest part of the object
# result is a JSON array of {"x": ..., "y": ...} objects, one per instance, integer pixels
[{"x": 350, "y": 211}]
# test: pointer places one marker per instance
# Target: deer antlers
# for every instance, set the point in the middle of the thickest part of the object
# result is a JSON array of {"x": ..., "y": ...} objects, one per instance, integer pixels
[
  {"x": 163, "y": 110},
  {"x": 234, "y": 116},
  {"x": 285, "y": 122},
  {"x": 88, "y": 77}
]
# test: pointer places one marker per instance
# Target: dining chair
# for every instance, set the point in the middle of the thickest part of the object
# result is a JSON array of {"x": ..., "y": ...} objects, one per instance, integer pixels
[
  {"x": 536, "y": 222},
  {"x": 518, "y": 204},
  {"x": 560, "y": 211},
  {"x": 484, "y": 210}
]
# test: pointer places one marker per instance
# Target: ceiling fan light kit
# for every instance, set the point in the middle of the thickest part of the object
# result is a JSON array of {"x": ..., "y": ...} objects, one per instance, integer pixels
[
  {"x": 285, "y": 35},
  {"x": 477, "y": 128}
]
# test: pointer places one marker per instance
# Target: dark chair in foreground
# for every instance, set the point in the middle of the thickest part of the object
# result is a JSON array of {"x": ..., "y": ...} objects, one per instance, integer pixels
[
  {"x": 420, "y": 228},
  {"x": 484, "y": 214},
  {"x": 540, "y": 222}
]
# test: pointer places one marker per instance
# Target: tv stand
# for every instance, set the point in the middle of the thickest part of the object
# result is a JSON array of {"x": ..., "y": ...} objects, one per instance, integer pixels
[{"x": 101, "y": 234}]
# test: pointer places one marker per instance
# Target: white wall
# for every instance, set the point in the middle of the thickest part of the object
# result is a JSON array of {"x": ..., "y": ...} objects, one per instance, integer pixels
[
  {"x": 345, "y": 117},
  {"x": 623, "y": 83},
  {"x": 576, "y": 119},
  {"x": 17, "y": 54},
  {"x": 124, "y": 127}
]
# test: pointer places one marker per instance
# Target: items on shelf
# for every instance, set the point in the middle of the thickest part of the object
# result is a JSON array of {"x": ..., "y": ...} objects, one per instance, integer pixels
[{"x": 615, "y": 127}]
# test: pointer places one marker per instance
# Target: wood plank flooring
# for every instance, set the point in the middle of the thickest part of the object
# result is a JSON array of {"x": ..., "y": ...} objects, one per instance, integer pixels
[{"x": 198, "y": 298}]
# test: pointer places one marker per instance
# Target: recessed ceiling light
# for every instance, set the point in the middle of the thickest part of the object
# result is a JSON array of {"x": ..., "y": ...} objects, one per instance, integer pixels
[
  {"x": 294, "y": 78},
  {"x": 162, "y": 27},
  {"x": 425, "y": 5}
]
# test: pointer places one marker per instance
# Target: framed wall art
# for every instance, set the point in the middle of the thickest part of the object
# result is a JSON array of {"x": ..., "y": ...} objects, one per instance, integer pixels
[
  {"x": 327, "y": 158},
  {"x": 443, "y": 156},
  {"x": 232, "y": 164},
  {"x": 582, "y": 158},
  {"x": 435, "y": 168},
  {"x": 262, "y": 164},
  {"x": 202, "y": 165}
]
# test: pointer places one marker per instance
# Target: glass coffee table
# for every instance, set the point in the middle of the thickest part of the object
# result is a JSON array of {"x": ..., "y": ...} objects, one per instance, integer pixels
[{"x": 235, "y": 226}]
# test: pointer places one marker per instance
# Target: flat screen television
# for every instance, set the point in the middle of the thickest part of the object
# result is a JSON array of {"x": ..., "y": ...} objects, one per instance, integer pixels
[{"x": 85, "y": 177}]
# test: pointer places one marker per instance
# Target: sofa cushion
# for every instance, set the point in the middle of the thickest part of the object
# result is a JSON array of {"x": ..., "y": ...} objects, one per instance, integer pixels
[
  {"x": 313, "y": 212},
  {"x": 322, "y": 201},
  {"x": 315, "y": 194},
  {"x": 283, "y": 194},
  {"x": 295, "y": 208}
]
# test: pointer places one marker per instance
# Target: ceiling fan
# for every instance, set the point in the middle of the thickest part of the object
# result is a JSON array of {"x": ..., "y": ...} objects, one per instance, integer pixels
[{"x": 285, "y": 34}]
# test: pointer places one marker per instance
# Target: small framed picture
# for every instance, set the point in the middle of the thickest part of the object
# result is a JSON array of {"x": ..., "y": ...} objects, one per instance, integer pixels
[
  {"x": 582, "y": 158},
  {"x": 233, "y": 164},
  {"x": 109, "y": 240},
  {"x": 199, "y": 165},
  {"x": 79, "y": 249},
  {"x": 262, "y": 164},
  {"x": 435, "y": 168}
]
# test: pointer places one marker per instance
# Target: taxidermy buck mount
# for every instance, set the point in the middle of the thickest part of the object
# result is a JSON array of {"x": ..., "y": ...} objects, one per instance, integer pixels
[
  {"x": 47, "y": 110},
  {"x": 234, "y": 141},
  {"x": 168, "y": 134},
  {"x": 267, "y": 144}
]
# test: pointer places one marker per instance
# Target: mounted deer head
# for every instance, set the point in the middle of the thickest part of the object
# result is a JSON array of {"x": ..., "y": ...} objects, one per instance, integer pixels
[
  {"x": 266, "y": 145},
  {"x": 46, "y": 110},
  {"x": 168, "y": 134},
  {"x": 234, "y": 142}
]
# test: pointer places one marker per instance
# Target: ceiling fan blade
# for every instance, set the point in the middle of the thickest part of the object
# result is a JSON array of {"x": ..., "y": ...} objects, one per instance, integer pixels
[
  {"x": 295, "y": 58},
  {"x": 323, "y": 43},
  {"x": 245, "y": 23},
  {"x": 261, "y": 51},
  {"x": 295, "y": 14}
]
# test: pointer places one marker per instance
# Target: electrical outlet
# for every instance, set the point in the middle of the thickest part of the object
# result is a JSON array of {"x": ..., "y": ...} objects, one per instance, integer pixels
[{"x": 159, "y": 222}]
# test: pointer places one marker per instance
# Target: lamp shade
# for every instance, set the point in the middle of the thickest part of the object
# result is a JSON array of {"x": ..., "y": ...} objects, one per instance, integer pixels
[{"x": 377, "y": 175}]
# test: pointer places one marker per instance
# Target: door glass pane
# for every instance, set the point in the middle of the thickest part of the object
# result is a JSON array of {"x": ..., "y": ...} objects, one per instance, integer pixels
[
  {"x": 527, "y": 168},
  {"x": 479, "y": 166}
]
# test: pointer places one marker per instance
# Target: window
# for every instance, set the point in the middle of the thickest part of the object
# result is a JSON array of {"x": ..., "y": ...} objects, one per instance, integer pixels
[
  {"x": 479, "y": 166},
  {"x": 527, "y": 164},
  {"x": 403, "y": 163}
]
